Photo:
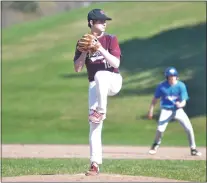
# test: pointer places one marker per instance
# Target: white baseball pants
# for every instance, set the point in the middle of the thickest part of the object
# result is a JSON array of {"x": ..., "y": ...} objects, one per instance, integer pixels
[
  {"x": 181, "y": 116},
  {"x": 106, "y": 84}
]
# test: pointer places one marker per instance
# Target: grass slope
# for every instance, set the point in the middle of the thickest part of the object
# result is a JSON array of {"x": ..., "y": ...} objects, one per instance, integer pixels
[
  {"x": 179, "y": 170},
  {"x": 45, "y": 101}
]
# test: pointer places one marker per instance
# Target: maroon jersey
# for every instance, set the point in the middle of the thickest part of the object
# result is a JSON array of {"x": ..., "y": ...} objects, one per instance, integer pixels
[{"x": 97, "y": 62}]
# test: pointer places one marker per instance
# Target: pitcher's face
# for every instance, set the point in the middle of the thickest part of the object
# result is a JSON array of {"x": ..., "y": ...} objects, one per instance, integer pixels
[{"x": 99, "y": 25}]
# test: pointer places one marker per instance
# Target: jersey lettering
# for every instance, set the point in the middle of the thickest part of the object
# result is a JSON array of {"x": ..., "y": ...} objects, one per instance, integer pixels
[{"x": 107, "y": 65}]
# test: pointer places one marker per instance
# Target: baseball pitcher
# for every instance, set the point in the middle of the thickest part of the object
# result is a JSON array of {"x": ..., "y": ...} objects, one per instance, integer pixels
[
  {"x": 100, "y": 53},
  {"x": 173, "y": 96}
]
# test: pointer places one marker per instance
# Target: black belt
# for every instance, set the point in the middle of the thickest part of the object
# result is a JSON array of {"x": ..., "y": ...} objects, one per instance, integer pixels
[{"x": 169, "y": 109}]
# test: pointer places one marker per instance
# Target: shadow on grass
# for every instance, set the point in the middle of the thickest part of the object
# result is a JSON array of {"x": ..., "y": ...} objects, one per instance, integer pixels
[{"x": 183, "y": 48}]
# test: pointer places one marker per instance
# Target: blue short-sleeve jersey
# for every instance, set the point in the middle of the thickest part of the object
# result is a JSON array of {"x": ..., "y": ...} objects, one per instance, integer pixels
[{"x": 169, "y": 94}]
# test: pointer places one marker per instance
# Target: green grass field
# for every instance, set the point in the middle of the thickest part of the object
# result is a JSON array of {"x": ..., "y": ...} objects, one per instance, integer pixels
[
  {"x": 45, "y": 101},
  {"x": 179, "y": 170}
]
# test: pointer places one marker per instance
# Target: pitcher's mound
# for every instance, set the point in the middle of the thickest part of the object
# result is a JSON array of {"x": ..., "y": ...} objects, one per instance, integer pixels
[{"x": 83, "y": 178}]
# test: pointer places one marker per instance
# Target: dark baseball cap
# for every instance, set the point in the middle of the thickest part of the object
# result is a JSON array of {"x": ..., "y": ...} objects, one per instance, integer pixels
[{"x": 97, "y": 14}]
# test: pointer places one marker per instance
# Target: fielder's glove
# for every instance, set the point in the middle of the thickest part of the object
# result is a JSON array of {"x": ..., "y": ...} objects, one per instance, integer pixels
[{"x": 88, "y": 43}]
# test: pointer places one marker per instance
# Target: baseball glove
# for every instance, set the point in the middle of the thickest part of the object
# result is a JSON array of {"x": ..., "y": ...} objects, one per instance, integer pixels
[{"x": 88, "y": 43}]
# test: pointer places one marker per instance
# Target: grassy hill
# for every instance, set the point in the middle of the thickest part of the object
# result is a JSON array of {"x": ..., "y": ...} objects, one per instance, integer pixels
[{"x": 45, "y": 101}]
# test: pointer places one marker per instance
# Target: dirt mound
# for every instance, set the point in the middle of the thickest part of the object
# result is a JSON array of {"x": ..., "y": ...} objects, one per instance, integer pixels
[
  {"x": 109, "y": 152},
  {"x": 83, "y": 178},
  {"x": 82, "y": 151}
]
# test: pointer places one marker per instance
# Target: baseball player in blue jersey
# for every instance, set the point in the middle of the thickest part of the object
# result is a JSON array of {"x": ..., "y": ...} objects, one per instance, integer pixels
[{"x": 173, "y": 96}]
